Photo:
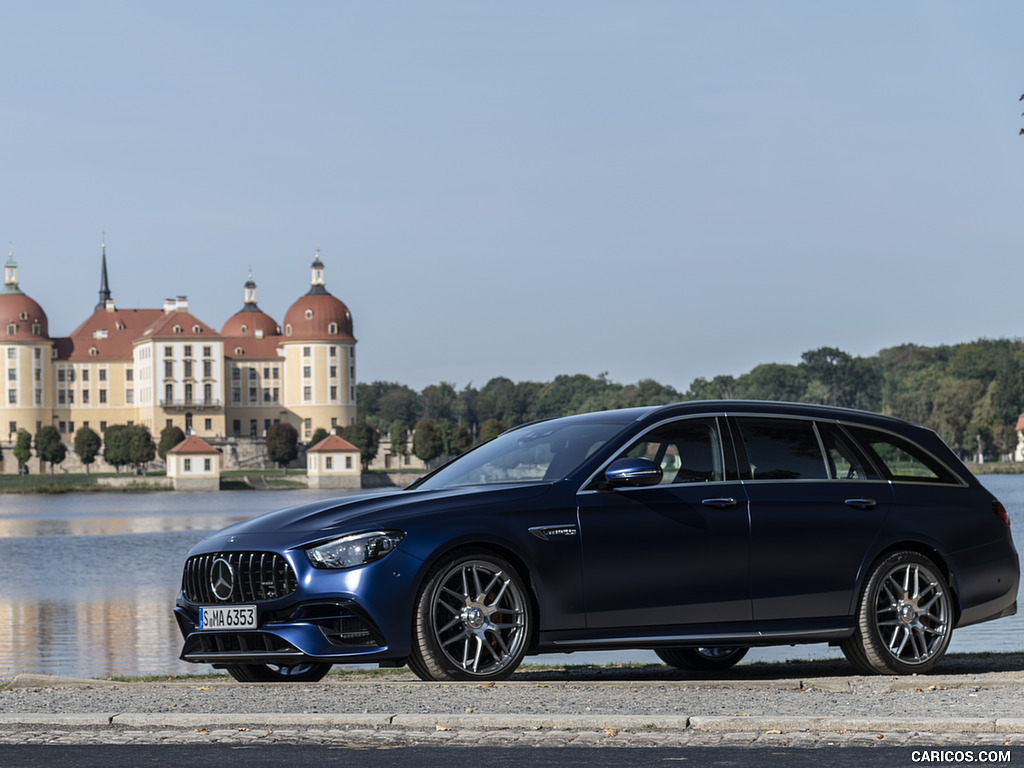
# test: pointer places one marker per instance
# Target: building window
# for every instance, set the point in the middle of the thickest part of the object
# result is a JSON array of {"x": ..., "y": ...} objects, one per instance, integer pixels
[
  {"x": 188, "y": 465},
  {"x": 129, "y": 374},
  {"x": 236, "y": 394},
  {"x": 85, "y": 397},
  {"x": 329, "y": 462},
  {"x": 168, "y": 369},
  {"x": 306, "y": 351},
  {"x": 208, "y": 425},
  {"x": 288, "y": 329},
  {"x": 309, "y": 314},
  {"x": 12, "y": 396},
  {"x": 307, "y": 426},
  {"x": 188, "y": 393},
  {"x": 208, "y": 393},
  {"x": 176, "y": 329},
  {"x": 60, "y": 374},
  {"x": 274, "y": 369},
  {"x": 188, "y": 350},
  {"x": 277, "y": 395},
  {"x": 62, "y": 427},
  {"x": 71, "y": 397},
  {"x": 12, "y": 353},
  {"x": 334, "y": 371},
  {"x": 236, "y": 373},
  {"x": 36, "y": 329},
  {"x": 39, "y": 397},
  {"x": 207, "y": 466},
  {"x": 252, "y": 427},
  {"x": 168, "y": 423},
  {"x": 39, "y": 374},
  {"x": 129, "y": 396},
  {"x": 168, "y": 351},
  {"x": 252, "y": 394},
  {"x": 168, "y": 394},
  {"x": 333, "y": 351},
  {"x": 188, "y": 369},
  {"x": 11, "y": 329},
  {"x": 85, "y": 374},
  {"x": 207, "y": 369},
  {"x": 103, "y": 374},
  {"x": 103, "y": 396},
  {"x": 266, "y": 372},
  {"x": 244, "y": 329},
  {"x": 306, "y": 371},
  {"x": 61, "y": 396},
  {"x": 348, "y": 462},
  {"x": 196, "y": 329},
  {"x": 12, "y": 427},
  {"x": 334, "y": 393},
  {"x": 12, "y": 374},
  {"x": 236, "y": 426},
  {"x": 266, "y": 394},
  {"x": 103, "y": 426},
  {"x": 307, "y": 393}
]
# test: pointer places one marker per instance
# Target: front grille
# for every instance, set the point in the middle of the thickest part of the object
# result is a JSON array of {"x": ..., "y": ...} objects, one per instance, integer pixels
[
  {"x": 227, "y": 646},
  {"x": 258, "y": 576}
]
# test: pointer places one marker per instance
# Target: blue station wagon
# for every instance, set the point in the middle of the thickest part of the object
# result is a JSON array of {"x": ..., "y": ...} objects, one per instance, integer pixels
[{"x": 696, "y": 530}]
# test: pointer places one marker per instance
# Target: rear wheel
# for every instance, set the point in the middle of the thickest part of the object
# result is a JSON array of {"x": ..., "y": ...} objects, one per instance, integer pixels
[
  {"x": 473, "y": 619},
  {"x": 701, "y": 659},
  {"x": 904, "y": 618},
  {"x": 273, "y": 673}
]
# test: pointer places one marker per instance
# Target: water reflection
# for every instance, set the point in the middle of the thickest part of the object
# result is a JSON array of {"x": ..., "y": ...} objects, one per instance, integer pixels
[{"x": 89, "y": 580}]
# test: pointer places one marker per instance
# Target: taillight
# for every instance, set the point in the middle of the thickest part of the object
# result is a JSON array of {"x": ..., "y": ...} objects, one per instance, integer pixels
[{"x": 999, "y": 509}]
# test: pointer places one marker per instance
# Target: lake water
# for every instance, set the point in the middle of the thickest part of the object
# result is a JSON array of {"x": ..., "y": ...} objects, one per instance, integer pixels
[{"x": 89, "y": 581}]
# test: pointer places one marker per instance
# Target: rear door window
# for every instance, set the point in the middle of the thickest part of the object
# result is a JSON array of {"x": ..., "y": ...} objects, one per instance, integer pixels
[
  {"x": 782, "y": 449},
  {"x": 901, "y": 459}
]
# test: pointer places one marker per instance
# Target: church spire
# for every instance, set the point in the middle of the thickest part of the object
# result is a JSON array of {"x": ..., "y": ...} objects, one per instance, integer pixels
[
  {"x": 316, "y": 283},
  {"x": 104, "y": 285}
]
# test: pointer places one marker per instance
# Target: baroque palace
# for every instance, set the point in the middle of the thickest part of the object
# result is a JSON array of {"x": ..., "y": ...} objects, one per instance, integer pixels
[{"x": 166, "y": 367}]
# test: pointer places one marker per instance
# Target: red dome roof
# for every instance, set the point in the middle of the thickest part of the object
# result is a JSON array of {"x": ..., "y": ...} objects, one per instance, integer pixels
[
  {"x": 25, "y": 314},
  {"x": 248, "y": 322},
  {"x": 318, "y": 316}
]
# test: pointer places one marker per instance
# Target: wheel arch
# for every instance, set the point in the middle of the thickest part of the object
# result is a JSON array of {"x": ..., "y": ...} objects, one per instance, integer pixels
[
  {"x": 509, "y": 555},
  {"x": 921, "y": 548}
]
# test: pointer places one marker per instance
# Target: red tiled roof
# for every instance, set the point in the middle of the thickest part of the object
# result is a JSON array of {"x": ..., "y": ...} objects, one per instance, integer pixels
[
  {"x": 333, "y": 444},
  {"x": 251, "y": 348},
  {"x": 109, "y": 333},
  {"x": 163, "y": 327},
  {"x": 193, "y": 445}
]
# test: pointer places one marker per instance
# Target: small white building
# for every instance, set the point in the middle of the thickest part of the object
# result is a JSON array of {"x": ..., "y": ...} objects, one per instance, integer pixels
[
  {"x": 194, "y": 465},
  {"x": 333, "y": 463}
]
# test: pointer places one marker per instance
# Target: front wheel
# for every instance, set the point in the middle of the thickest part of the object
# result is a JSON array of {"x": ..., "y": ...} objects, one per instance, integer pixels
[
  {"x": 904, "y": 618},
  {"x": 701, "y": 659},
  {"x": 473, "y": 619},
  {"x": 272, "y": 673}
]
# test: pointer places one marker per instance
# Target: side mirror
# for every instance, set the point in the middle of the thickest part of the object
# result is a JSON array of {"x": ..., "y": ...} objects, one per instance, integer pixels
[{"x": 632, "y": 473}]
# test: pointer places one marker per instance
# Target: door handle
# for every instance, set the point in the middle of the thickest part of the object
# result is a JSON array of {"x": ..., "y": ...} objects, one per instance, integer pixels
[
  {"x": 861, "y": 503},
  {"x": 722, "y": 503}
]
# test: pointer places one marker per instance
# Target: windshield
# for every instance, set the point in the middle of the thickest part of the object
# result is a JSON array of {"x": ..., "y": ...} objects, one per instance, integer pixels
[{"x": 545, "y": 451}]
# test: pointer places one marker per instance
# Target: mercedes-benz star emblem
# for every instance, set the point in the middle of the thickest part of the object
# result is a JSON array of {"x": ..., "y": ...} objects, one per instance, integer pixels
[{"x": 222, "y": 578}]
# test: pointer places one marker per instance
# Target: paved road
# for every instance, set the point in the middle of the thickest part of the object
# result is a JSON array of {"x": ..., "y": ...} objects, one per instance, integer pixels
[{"x": 971, "y": 701}]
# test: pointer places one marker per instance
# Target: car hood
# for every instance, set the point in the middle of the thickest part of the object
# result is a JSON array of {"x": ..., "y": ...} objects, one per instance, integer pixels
[{"x": 362, "y": 512}]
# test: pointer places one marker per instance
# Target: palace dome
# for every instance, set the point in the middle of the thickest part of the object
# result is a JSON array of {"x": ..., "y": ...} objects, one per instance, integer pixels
[
  {"x": 21, "y": 317},
  {"x": 318, "y": 316},
  {"x": 250, "y": 320}
]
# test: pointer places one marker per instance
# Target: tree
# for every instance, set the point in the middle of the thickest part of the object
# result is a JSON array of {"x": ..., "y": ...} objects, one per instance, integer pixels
[
  {"x": 49, "y": 446},
  {"x": 426, "y": 442},
  {"x": 87, "y": 446},
  {"x": 141, "y": 448},
  {"x": 282, "y": 443},
  {"x": 23, "y": 447},
  {"x": 169, "y": 437},
  {"x": 115, "y": 446},
  {"x": 319, "y": 434},
  {"x": 399, "y": 435},
  {"x": 490, "y": 429},
  {"x": 366, "y": 438},
  {"x": 454, "y": 438}
]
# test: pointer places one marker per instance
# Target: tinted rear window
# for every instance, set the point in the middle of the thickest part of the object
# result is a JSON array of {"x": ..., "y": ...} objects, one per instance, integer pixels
[
  {"x": 781, "y": 449},
  {"x": 901, "y": 459}
]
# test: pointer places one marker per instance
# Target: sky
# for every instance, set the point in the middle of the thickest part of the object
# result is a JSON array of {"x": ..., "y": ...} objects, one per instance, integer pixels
[{"x": 646, "y": 189}]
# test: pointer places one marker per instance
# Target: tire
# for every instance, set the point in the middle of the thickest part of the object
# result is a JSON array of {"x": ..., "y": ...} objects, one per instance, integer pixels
[
  {"x": 701, "y": 659},
  {"x": 472, "y": 621},
  {"x": 904, "y": 617},
  {"x": 272, "y": 673}
]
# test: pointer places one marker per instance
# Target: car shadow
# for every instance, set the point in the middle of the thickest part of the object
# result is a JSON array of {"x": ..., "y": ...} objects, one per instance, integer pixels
[{"x": 953, "y": 664}]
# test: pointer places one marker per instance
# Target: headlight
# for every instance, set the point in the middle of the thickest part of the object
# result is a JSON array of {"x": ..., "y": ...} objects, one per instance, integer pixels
[{"x": 350, "y": 551}]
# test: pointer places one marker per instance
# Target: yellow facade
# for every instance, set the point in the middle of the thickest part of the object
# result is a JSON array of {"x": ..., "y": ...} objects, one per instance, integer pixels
[{"x": 165, "y": 367}]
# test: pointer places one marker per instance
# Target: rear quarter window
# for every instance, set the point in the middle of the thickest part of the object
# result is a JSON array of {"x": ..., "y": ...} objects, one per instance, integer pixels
[{"x": 901, "y": 459}]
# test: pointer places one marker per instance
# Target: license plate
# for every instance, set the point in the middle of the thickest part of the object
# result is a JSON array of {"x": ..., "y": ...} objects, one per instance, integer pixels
[{"x": 227, "y": 617}]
